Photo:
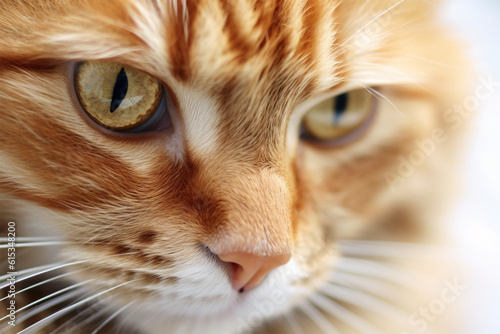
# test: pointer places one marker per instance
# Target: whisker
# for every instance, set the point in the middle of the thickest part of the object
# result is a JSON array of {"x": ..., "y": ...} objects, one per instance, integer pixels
[
  {"x": 29, "y": 270},
  {"x": 294, "y": 325},
  {"x": 396, "y": 31},
  {"x": 401, "y": 76},
  {"x": 364, "y": 301},
  {"x": 367, "y": 284},
  {"x": 388, "y": 250},
  {"x": 49, "y": 296},
  {"x": 40, "y": 308},
  {"x": 111, "y": 317},
  {"x": 35, "y": 244},
  {"x": 343, "y": 314},
  {"x": 377, "y": 269},
  {"x": 4, "y": 263},
  {"x": 29, "y": 239},
  {"x": 430, "y": 61},
  {"x": 375, "y": 92},
  {"x": 326, "y": 326},
  {"x": 42, "y": 323},
  {"x": 40, "y": 283},
  {"x": 86, "y": 314},
  {"x": 401, "y": 246},
  {"x": 373, "y": 20},
  {"x": 51, "y": 267}
]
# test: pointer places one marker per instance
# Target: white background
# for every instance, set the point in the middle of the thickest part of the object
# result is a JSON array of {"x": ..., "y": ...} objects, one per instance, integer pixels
[{"x": 477, "y": 221}]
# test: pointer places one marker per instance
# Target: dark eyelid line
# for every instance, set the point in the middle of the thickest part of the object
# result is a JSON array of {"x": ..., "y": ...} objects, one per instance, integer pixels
[{"x": 155, "y": 119}]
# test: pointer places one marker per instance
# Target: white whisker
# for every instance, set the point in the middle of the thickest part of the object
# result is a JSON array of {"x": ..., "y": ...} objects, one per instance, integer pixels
[
  {"x": 401, "y": 246},
  {"x": 430, "y": 61},
  {"x": 30, "y": 239},
  {"x": 89, "y": 314},
  {"x": 375, "y": 92},
  {"x": 373, "y": 20},
  {"x": 29, "y": 270},
  {"x": 365, "y": 301},
  {"x": 294, "y": 325},
  {"x": 110, "y": 318},
  {"x": 326, "y": 326},
  {"x": 395, "y": 250},
  {"x": 396, "y": 31},
  {"x": 40, "y": 308},
  {"x": 376, "y": 269},
  {"x": 58, "y": 292},
  {"x": 376, "y": 288},
  {"x": 399, "y": 76},
  {"x": 39, "y": 283},
  {"x": 35, "y": 244},
  {"x": 50, "y": 267},
  {"x": 343, "y": 314},
  {"x": 42, "y": 323}
]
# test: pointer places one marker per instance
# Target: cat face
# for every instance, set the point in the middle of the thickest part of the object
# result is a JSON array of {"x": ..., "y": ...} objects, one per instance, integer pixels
[{"x": 240, "y": 165}]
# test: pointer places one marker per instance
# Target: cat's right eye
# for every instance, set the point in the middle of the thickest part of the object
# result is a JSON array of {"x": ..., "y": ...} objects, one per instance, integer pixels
[
  {"x": 118, "y": 97},
  {"x": 338, "y": 119}
]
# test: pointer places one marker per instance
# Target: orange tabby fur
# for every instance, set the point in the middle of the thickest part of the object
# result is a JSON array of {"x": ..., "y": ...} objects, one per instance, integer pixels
[{"x": 231, "y": 174}]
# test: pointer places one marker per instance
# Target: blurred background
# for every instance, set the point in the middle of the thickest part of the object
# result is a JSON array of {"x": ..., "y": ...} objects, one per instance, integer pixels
[{"x": 477, "y": 220}]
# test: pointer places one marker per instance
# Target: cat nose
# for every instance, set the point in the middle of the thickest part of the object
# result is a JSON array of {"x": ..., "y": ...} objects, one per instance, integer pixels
[{"x": 249, "y": 269}]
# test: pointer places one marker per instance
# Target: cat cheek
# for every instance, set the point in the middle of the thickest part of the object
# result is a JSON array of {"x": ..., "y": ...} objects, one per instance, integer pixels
[{"x": 451, "y": 117}]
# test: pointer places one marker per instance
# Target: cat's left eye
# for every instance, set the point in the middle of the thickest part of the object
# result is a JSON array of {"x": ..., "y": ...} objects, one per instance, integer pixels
[
  {"x": 338, "y": 119},
  {"x": 118, "y": 97}
]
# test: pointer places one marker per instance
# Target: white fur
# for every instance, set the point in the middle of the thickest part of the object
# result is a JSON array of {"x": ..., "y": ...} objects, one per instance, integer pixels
[
  {"x": 199, "y": 112},
  {"x": 229, "y": 314}
]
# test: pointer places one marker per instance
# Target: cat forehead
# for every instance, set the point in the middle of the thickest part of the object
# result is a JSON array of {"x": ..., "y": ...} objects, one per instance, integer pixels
[
  {"x": 217, "y": 45},
  {"x": 210, "y": 43},
  {"x": 245, "y": 41}
]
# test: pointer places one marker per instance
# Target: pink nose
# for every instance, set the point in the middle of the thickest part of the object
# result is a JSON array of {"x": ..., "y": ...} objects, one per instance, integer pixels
[{"x": 249, "y": 270}]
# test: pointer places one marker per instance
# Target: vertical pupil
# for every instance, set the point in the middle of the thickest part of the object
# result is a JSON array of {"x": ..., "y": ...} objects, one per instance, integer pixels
[
  {"x": 119, "y": 91},
  {"x": 339, "y": 107}
]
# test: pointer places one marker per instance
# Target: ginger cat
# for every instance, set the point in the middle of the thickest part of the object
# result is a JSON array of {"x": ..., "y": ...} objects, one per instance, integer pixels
[{"x": 226, "y": 166}]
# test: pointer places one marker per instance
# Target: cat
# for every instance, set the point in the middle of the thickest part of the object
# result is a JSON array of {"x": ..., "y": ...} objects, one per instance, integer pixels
[{"x": 226, "y": 166}]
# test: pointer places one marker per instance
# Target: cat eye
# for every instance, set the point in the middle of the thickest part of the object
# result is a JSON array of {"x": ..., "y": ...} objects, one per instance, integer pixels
[
  {"x": 337, "y": 120},
  {"x": 118, "y": 97}
]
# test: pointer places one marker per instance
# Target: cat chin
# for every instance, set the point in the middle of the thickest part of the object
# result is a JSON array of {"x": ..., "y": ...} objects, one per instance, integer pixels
[{"x": 233, "y": 312}]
